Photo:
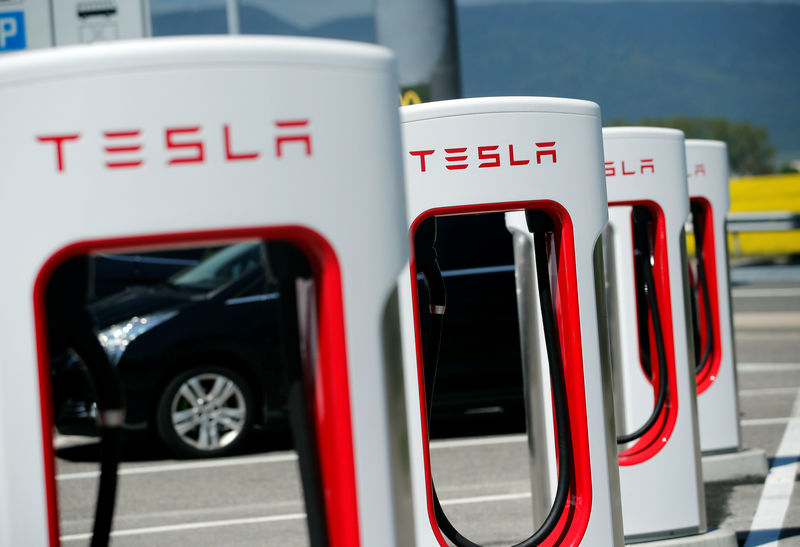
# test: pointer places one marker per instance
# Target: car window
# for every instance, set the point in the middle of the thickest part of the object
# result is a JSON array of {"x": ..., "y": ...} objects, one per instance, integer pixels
[
  {"x": 473, "y": 241},
  {"x": 222, "y": 267}
]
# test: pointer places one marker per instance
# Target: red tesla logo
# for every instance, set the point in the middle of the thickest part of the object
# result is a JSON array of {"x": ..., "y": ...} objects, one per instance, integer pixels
[
  {"x": 630, "y": 168},
  {"x": 699, "y": 169},
  {"x": 457, "y": 159},
  {"x": 124, "y": 148}
]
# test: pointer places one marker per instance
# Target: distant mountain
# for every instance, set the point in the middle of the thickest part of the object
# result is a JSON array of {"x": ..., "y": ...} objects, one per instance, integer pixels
[
  {"x": 361, "y": 29},
  {"x": 190, "y": 21},
  {"x": 255, "y": 20},
  {"x": 637, "y": 60}
]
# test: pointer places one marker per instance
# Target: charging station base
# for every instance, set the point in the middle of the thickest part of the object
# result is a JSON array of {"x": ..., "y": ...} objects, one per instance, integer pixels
[
  {"x": 747, "y": 463},
  {"x": 712, "y": 538}
]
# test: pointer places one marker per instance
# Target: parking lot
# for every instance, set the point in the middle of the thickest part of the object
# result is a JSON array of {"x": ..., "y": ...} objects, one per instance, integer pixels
[{"x": 482, "y": 478}]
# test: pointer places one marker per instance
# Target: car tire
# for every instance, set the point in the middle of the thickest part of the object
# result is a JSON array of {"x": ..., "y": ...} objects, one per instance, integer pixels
[{"x": 205, "y": 411}]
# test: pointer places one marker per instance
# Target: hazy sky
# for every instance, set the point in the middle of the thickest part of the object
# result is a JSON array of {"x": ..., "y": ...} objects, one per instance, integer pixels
[{"x": 302, "y": 13}]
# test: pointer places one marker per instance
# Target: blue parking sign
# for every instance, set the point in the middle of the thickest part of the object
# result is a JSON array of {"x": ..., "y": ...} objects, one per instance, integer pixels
[{"x": 12, "y": 31}]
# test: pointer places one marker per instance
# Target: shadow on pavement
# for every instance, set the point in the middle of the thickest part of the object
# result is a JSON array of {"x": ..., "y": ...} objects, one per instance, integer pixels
[
  {"x": 764, "y": 537},
  {"x": 717, "y": 496}
]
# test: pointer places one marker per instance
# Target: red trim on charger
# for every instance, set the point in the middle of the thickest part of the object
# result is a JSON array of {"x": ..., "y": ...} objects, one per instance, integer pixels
[
  {"x": 46, "y": 407},
  {"x": 710, "y": 371},
  {"x": 649, "y": 444},
  {"x": 423, "y": 411},
  {"x": 331, "y": 387},
  {"x": 574, "y": 520}
]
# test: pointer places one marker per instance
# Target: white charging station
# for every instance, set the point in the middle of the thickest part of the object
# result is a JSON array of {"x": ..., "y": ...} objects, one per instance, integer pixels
[
  {"x": 660, "y": 472},
  {"x": 516, "y": 154},
  {"x": 33, "y": 24},
  {"x": 717, "y": 402},
  {"x": 179, "y": 141}
]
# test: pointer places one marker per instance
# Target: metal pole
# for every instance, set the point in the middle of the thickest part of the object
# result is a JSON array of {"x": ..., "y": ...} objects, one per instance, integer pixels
[
  {"x": 423, "y": 35},
  {"x": 536, "y": 379},
  {"x": 612, "y": 312},
  {"x": 232, "y": 14}
]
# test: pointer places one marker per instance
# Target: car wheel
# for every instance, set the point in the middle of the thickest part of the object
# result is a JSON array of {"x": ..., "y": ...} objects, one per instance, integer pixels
[{"x": 205, "y": 411}]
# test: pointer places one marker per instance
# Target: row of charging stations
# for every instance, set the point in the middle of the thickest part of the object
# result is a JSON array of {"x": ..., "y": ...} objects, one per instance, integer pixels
[
  {"x": 645, "y": 264},
  {"x": 241, "y": 145},
  {"x": 654, "y": 367},
  {"x": 660, "y": 473}
]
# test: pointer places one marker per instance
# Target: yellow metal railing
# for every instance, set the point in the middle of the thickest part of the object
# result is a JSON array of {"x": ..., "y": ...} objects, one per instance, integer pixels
[{"x": 765, "y": 194}]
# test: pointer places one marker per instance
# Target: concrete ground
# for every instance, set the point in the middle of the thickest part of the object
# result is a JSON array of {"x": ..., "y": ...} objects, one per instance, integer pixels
[{"x": 256, "y": 499}]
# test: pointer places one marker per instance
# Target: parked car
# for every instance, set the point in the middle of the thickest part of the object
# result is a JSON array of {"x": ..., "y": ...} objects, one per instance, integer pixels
[{"x": 198, "y": 353}]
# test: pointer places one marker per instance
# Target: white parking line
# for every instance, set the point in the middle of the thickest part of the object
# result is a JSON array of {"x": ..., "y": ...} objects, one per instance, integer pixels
[
  {"x": 273, "y": 518},
  {"x": 479, "y": 441},
  {"x": 765, "y": 293},
  {"x": 184, "y": 466},
  {"x": 189, "y": 526},
  {"x": 273, "y": 458},
  {"x": 769, "y": 391},
  {"x": 767, "y": 367},
  {"x": 487, "y": 499},
  {"x": 778, "y": 486},
  {"x": 770, "y": 421},
  {"x": 762, "y": 324}
]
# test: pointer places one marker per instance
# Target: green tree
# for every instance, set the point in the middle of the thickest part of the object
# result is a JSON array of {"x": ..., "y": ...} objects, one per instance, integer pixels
[{"x": 749, "y": 149}]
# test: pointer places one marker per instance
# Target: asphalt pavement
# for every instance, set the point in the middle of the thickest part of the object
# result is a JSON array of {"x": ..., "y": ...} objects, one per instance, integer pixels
[{"x": 256, "y": 498}]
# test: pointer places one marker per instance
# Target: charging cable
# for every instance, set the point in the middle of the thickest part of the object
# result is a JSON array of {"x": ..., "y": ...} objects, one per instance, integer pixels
[
  {"x": 542, "y": 227},
  {"x": 698, "y": 221},
  {"x": 69, "y": 325},
  {"x": 647, "y": 303}
]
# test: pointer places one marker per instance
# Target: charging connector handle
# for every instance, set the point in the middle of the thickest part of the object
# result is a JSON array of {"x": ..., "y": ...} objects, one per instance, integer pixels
[
  {"x": 646, "y": 291},
  {"x": 428, "y": 265}
]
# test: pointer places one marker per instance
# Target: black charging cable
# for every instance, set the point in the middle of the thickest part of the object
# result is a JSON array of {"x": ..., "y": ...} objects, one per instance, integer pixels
[
  {"x": 647, "y": 302},
  {"x": 693, "y": 313},
  {"x": 69, "y": 325},
  {"x": 698, "y": 221},
  {"x": 540, "y": 225},
  {"x": 428, "y": 266},
  {"x": 287, "y": 264}
]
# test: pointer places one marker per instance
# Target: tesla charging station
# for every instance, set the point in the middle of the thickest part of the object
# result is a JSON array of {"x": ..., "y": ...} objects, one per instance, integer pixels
[
  {"x": 32, "y": 24},
  {"x": 181, "y": 141},
  {"x": 539, "y": 157},
  {"x": 660, "y": 473},
  {"x": 717, "y": 404}
]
